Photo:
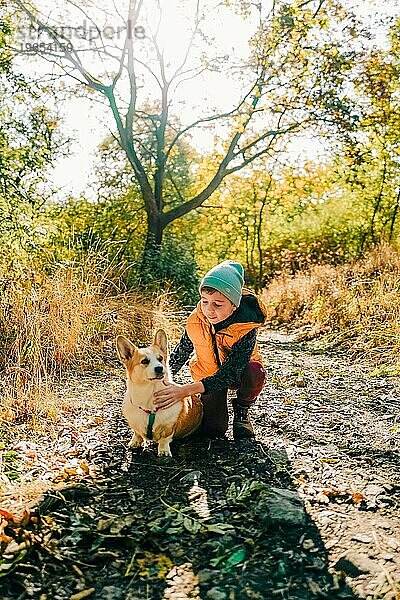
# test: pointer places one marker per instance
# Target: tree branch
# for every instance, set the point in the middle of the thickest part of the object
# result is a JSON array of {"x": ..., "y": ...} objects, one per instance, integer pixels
[{"x": 72, "y": 56}]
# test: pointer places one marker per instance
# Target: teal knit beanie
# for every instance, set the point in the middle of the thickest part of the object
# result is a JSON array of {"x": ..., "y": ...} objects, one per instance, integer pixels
[{"x": 227, "y": 278}]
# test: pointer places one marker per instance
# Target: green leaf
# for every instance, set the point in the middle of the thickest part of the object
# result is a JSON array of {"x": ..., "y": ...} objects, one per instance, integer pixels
[
  {"x": 172, "y": 530},
  {"x": 220, "y": 528},
  {"x": 230, "y": 559},
  {"x": 235, "y": 559},
  {"x": 191, "y": 525},
  {"x": 6, "y": 567}
]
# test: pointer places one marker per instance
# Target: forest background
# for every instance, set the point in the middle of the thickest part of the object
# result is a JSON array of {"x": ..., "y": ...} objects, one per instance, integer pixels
[{"x": 185, "y": 178}]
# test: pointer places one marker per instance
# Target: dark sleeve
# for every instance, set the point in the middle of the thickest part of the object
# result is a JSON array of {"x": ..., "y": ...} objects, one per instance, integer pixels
[
  {"x": 231, "y": 370},
  {"x": 181, "y": 353}
]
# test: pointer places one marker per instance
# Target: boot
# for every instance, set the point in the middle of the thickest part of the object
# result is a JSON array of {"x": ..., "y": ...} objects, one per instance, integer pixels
[{"x": 242, "y": 427}]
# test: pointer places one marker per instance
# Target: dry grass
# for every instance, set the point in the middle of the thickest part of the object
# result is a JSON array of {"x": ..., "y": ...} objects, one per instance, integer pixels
[
  {"x": 66, "y": 320},
  {"x": 358, "y": 304},
  {"x": 57, "y": 325}
]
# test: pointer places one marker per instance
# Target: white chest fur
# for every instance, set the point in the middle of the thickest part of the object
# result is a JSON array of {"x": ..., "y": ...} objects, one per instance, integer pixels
[{"x": 139, "y": 399}]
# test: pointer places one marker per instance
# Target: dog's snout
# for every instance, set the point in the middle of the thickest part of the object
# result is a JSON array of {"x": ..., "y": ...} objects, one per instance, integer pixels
[{"x": 159, "y": 369}]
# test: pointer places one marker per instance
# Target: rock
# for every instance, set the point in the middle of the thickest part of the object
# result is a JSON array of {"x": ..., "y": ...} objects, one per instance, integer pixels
[
  {"x": 110, "y": 592},
  {"x": 322, "y": 498},
  {"x": 364, "y": 538},
  {"x": 355, "y": 564},
  {"x": 372, "y": 491},
  {"x": 308, "y": 544},
  {"x": 206, "y": 575},
  {"x": 216, "y": 594},
  {"x": 280, "y": 507},
  {"x": 387, "y": 556},
  {"x": 316, "y": 563},
  {"x": 392, "y": 542}
]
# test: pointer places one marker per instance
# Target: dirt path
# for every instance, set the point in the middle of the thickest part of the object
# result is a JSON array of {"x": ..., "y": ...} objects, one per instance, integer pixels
[{"x": 225, "y": 520}]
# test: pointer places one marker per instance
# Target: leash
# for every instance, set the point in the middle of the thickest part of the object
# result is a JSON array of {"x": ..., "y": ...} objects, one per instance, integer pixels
[{"x": 150, "y": 423}]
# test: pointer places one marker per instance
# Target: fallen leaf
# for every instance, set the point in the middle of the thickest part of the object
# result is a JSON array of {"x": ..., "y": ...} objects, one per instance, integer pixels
[
  {"x": 314, "y": 587},
  {"x": 6, "y": 566},
  {"x": 288, "y": 401},
  {"x": 105, "y": 524},
  {"x": 7, "y": 515},
  {"x": 5, "y": 539},
  {"x": 300, "y": 479},
  {"x": 13, "y": 547},
  {"x": 357, "y": 498},
  {"x": 70, "y": 471},
  {"x": 8, "y": 416},
  {"x": 85, "y": 467},
  {"x": 363, "y": 538},
  {"x": 82, "y": 594},
  {"x": 308, "y": 544},
  {"x": 119, "y": 524},
  {"x": 220, "y": 528},
  {"x": 322, "y": 498},
  {"x": 334, "y": 492},
  {"x": 236, "y": 558}
]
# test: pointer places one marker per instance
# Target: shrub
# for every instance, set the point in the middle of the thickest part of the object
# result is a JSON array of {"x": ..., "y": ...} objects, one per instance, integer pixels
[
  {"x": 65, "y": 317},
  {"x": 358, "y": 303},
  {"x": 173, "y": 270}
]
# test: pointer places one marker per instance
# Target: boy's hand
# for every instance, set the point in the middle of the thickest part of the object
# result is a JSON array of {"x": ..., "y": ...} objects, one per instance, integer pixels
[{"x": 169, "y": 395}]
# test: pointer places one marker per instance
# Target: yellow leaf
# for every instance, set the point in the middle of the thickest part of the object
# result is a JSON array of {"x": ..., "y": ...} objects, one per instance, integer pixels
[
  {"x": 357, "y": 498},
  {"x": 82, "y": 594},
  {"x": 70, "y": 471}
]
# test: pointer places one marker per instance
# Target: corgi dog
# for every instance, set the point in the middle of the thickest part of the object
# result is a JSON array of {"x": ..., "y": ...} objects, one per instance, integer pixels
[{"x": 147, "y": 373}]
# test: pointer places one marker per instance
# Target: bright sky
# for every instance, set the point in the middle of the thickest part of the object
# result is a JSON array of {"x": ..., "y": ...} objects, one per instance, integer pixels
[{"x": 88, "y": 123}]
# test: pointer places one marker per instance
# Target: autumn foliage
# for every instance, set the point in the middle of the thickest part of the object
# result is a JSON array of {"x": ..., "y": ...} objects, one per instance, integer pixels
[
  {"x": 357, "y": 304},
  {"x": 64, "y": 318}
]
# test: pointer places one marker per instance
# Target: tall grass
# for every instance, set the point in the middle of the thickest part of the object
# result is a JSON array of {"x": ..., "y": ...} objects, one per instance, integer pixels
[
  {"x": 357, "y": 304},
  {"x": 64, "y": 317}
]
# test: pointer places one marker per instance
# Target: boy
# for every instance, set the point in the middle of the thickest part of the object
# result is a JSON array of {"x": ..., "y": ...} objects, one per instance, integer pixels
[{"x": 222, "y": 332}]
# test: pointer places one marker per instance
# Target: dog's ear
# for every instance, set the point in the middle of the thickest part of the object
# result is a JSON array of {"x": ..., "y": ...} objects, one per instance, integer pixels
[
  {"x": 126, "y": 350},
  {"x": 160, "y": 340}
]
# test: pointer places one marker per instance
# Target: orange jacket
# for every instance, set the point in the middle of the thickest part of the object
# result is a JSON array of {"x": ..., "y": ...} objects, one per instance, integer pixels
[{"x": 199, "y": 329}]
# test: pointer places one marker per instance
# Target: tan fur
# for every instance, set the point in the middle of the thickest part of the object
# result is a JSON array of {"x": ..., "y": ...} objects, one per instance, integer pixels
[{"x": 143, "y": 380}]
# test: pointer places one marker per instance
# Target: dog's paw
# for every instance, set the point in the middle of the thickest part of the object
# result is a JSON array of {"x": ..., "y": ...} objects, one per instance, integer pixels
[
  {"x": 135, "y": 442},
  {"x": 163, "y": 447},
  {"x": 165, "y": 453}
]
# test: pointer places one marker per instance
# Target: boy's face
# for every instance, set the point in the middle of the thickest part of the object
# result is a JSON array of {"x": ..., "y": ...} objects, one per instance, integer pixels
[{"x": 216, "y": 307}]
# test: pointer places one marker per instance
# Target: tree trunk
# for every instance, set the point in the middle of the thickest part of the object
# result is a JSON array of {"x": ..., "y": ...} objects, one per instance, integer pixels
[
  {"x": 394, "y": 216},
  {"x": 152, "y": 248}
]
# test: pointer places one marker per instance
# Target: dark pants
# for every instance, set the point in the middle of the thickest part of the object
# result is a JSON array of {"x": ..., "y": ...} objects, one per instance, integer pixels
[{"x": 215, "y": 417}]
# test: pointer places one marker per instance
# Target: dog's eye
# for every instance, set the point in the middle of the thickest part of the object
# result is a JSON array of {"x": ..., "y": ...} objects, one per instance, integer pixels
[
  {"x": 145, "y": 361},
  {"x": 160, "y": 359}
]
